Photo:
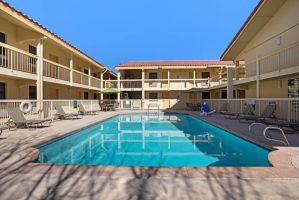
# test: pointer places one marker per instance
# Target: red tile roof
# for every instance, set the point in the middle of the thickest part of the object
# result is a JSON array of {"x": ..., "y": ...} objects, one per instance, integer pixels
[
  {"x": 47, "y": 30},
  {"x": 175, "y": 63}
]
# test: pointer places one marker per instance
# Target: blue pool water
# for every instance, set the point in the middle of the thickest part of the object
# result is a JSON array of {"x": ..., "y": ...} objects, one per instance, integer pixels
[{"x": 165, "y": 140}]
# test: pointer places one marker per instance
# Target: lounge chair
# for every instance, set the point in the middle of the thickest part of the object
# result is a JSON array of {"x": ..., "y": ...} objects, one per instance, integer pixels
[
  {"x": 268, "y": 113},
  {"x": 17, "y": 119},
  {"x": 284, "y": 124},
  {"x": 224, "y": 108},
  {"x": 61, "y": 114},
  {"x": 2, "y": 128},
  {"x": 246, "y": 112},
  {"x": 83, "y": 111}
]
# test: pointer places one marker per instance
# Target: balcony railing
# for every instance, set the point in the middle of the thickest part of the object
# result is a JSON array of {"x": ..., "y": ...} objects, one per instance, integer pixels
[
  {"x": 95, "y": 82},
  {"x": 55, "y": 70},
  {"x": 17, "y": 59},
  {"x": 110, "y": 84},
  {"x": 80, "y": 78},
  {"x": 131, "y": 84},
  {"x": 283, "y": 59}
]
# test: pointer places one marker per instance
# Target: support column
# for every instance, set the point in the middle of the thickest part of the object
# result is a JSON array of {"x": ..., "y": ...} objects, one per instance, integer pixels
[
  {"x": 72, "y": 70},
  {"x": 39, "y": 82},
  {"x": 89, "y": 76},
  {"x": 142, "y": 88},
  {"x": 118, "y": 88},
  {"x": 257, "y": 77},
  {"x": 230, "y": 83},
  {"x": 168, "y": 79},
  {"x": 194, "y": 76},
  {"x": 102, "y": 87}
]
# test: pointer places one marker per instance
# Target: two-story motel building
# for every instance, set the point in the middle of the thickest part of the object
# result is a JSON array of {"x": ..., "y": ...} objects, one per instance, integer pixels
[
  {"x": 171, "y": 80},
  {"x": 37, "y": 64}
]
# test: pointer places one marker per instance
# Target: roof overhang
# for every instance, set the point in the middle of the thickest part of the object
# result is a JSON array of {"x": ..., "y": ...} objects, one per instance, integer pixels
[
  {"x": 262, "y": 13},
  {"x": 20, "y": 19}
]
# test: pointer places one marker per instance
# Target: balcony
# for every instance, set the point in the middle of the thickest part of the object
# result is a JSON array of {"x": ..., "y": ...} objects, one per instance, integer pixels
[
  {"x": 19, "y": 63},
  {"x": 279, "y": 63},
  {"x": 14, "y": 59}
]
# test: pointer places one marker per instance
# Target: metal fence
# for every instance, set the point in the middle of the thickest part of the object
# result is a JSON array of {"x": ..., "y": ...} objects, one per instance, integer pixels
[{"x": 46, "y": 108}]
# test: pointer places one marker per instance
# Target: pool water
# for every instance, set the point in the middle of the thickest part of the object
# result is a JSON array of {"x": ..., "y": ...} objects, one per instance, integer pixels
[{"x": 170, "y": 140}]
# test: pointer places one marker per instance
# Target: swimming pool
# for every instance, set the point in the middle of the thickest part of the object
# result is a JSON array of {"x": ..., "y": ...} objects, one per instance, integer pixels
[{"x": 169, "y": 140}]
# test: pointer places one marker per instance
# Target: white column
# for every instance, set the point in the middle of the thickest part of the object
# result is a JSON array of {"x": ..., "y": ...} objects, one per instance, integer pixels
[
  {"x": 230, "y": 83},
  {"x": 89, "y": 75},
  {"x": 39, "y": 82},
  {"x": 168, "y": 80},
  {"x": 72, "y": 70},
  {"x": 194, "y": 76},
  {"x": 257, "y": 77},
  {"x": 142, "y": 82},
  {"x": 102, "y": 86},
  {"x": 118, "y": 87}
]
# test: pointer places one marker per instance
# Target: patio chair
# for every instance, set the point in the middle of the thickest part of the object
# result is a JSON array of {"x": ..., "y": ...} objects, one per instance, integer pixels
[
  {"x": 189, "y": 106},
  {"x": 83, "y": 111},
  {"x": 2, "y": 128},
  {"x": 61, "y": 114},
  {"x": 104, "y": 107},
  {"x": 267, "y": 114},
  {"x": 246, "y": 112},
  {"x": 17, "y": 119}
]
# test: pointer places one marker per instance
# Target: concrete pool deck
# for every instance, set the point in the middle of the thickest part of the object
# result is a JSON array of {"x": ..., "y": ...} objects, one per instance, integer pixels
[{"x": 22, "y": 179}]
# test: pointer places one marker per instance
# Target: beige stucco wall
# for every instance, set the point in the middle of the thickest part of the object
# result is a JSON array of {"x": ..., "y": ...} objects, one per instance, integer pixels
[
  {"x": 16, "y": 88},
  {"x": 271, "y": 88}
]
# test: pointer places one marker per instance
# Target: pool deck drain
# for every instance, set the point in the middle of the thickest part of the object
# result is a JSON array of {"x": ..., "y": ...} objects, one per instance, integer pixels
[{"x": 22, "y": 179}]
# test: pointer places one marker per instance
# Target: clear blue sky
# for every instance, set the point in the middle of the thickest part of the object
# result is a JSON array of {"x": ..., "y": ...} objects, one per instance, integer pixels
[{"x": 116, "y": 31}]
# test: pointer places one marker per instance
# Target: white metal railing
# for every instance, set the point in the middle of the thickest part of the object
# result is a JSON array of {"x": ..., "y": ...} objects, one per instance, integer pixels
[
  {"x": 131, "y": 83},
  {"x": 286, "y": 108},
  {"x": 95, "y": 82},
  {"x": 110, "y": 84},
  {"x": 56, "y": 70},
  {"x": 80, "y": 78},
  {"x": 17, "y": 59},
  {"x": 47, "y": 107},
  {"x": 283, "y": 59}
]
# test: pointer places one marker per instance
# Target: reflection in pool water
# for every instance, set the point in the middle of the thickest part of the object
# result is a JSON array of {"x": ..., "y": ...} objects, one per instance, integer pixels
[{"x": 165, "y": 140}]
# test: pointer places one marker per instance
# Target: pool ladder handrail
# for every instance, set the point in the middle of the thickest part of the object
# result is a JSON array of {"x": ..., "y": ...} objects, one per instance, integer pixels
[
  {"x": 153, "y": 105},
  {"x": 268, "y": 135}
]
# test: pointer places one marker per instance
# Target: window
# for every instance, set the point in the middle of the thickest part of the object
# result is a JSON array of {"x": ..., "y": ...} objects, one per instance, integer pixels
[
  {"x": 2, "y": 91},
  {"x": 32, "y": 50},
  {"x": 293, "y": 88},
  {"x": 85, "y": 71},
  {"x": 205, "y": 74},
  {"x": 32, "y": 92},
  {"x": 205, "y": 95},
  {"x": 3, "y": 40},
  {"x": 95, "y": 75},
  {"x": 95, "y": 96},
  {"x": 2, "y": 37},
  {"x": 223, "y": 94},
  {"x": 85, "y": 95},
  {"x": 153, "y": 96},
  {"x": 153, "y": 75}
]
